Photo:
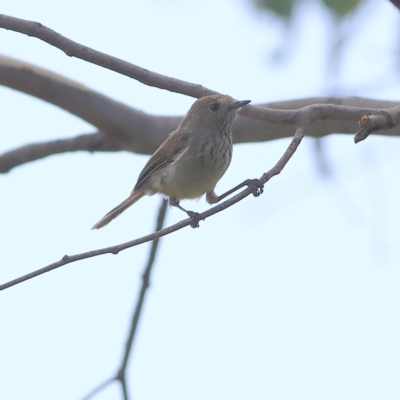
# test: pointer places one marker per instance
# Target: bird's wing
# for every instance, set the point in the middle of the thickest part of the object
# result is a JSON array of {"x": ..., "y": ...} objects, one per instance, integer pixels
[{"x": 169, "y": 151}]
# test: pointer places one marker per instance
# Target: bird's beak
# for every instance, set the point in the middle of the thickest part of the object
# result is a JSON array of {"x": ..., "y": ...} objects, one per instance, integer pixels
[{"x": 240, "y": 104}]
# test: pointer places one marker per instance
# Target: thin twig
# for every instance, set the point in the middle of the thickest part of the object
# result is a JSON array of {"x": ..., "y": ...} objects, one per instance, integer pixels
[
  {"x": 121, "y": 375},
  {"x": 98, "y": 389},
  {"x": 124, "y": 390},
  {"x": 218, "y": 208},
  {"x": 74, "y": 49},
  {"x": 287, "y": 155}
]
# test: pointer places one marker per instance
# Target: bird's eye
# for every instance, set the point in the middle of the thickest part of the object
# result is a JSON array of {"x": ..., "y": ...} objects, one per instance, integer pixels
[{"x": 214, "y": 107}]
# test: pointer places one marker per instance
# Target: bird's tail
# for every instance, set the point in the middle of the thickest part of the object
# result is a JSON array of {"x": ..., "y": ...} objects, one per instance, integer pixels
[{"x": 133, "y": 198}]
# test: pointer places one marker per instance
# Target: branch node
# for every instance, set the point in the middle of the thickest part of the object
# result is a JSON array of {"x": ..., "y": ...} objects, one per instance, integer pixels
[
  {"x": 379, "y": 120},
  {"x": 120, "y": 376}
]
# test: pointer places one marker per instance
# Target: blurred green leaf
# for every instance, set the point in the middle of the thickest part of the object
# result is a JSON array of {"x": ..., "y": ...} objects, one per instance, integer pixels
[
  {"x": 284, "y": 8},
  {"x": 341, "y": 7},
  {"x": 281, "y": 7}
]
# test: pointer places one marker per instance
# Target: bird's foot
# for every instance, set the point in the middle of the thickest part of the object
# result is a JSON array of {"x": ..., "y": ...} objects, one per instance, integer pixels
[
  {"x": 195, "y": 217},
  {"x": 256, "y": 186}
]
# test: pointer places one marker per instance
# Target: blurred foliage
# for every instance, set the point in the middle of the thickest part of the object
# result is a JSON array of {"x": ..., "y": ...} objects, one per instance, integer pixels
[
  {"x": 281, "y": 7},
  {"x": 284, "y": 8},
  {"x": 341, "y": 7}
]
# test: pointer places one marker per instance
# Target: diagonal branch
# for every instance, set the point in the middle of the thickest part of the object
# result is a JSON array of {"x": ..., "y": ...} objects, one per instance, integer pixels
[
  {"x": 214, "y": 210},
  {"x": 74, "y": 49}
]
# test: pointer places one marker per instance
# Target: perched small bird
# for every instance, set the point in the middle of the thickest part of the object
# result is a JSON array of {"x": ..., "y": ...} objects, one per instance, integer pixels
[{"x": 193, "y": 158}]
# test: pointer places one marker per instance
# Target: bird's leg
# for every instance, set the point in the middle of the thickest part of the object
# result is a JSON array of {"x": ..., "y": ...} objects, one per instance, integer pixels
[
  {"x": 194, "y": 216},
  {"x": 256, "y": 186}
]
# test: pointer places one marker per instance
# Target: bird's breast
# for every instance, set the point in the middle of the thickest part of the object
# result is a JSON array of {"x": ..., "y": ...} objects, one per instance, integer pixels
[{"x": 197, "y": 170}]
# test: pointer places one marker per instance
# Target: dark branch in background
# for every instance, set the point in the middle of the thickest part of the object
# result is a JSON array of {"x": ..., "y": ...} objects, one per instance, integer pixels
[
  {"x": 143, "y": 133},
  {"x": 90, "y": 142},
  {"x": 121, "y": 375},
  {"x": 220, "y": 207},
  {"x": 135, "y": 130},
  {"x": 124, "y": 128},
  {"x": 396, "y": 3}
]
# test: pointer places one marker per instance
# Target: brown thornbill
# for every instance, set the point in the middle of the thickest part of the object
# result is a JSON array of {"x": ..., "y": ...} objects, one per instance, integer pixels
[{"x": 193, "y": 158}]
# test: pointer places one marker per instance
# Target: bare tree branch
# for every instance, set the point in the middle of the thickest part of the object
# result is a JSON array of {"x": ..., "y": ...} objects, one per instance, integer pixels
[
  {"x": 214, "y": 210},
  {"x": 31, "y": 152},
  {"x": 301, "y": 117},
  {"x": 139, "y": 132},
  {"x": 143, "y": 133},
  {"x": 124, "y": 128},
  {"x": 135, "y": 130},
  {"x": 244, "y": 131}
]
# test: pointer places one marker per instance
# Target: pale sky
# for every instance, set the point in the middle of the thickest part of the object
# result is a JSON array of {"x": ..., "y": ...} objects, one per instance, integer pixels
[{"x": 292, "y": 295}]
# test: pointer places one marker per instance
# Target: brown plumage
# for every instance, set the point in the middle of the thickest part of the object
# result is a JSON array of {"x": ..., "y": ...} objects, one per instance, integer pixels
[{"x": 193, "y": 158}]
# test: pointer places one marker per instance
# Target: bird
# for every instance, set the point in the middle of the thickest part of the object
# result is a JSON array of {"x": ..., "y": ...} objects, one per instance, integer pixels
[{"x": 193, "y": 158}]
